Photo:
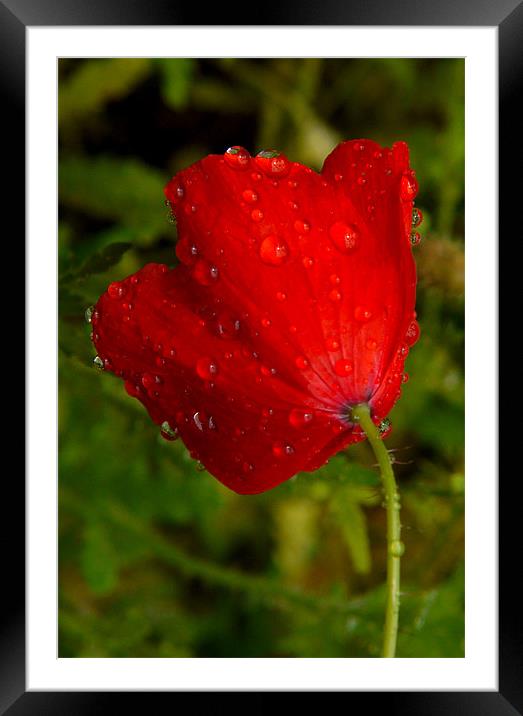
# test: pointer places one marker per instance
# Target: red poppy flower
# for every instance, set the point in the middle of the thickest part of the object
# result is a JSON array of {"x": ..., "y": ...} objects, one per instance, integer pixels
[{"x": 293, "y": 301}]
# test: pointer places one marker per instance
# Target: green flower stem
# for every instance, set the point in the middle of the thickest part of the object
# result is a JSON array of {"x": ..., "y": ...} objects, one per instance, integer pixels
[{"x": 361, "y": 413}]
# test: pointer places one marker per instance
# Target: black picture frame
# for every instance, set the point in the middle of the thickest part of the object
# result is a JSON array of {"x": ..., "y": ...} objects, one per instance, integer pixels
[{"x": 15, "y": 17}]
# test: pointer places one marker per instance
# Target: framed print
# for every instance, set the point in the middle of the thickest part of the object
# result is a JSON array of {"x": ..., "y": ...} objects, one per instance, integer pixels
[{"x": 244, "y": 228}]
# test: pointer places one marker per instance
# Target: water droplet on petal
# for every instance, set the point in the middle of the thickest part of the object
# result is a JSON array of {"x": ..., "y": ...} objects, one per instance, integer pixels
[
  {"x": 237, "y": 157},
  {"x": 371, "y": 344},
  {"x": 116, "y": 290},
  {"x": 335, "y": 296},
  {"x": 186, "y": 251},
  {"x": 362, "y": 314},
  {"x": 343, "y": 367},
  {"x": 301, "y": 363},
  {"x": 308, "y": 262},
  {"x": 167, "y": 432},
  {"x": 205, "y": 273},
  {"x": 132, "y": 389},
  {"x": 206, "y": 368},
  {"x": 281, "y": 449},
  {"x": 267, "y": 154},
  {"x": 413, "y": 333},
  {"x": 227, "y": 326},
  {"x": 273, "y": 251},
  {"x": 257, "y": 215},
  {"x": 150, "y": 381},
  {"x": 273, "y": 163},
  {"x": 281, "y": 296},
  {"x": 299, "y": 418},
  {"x": 408, "y": 186},
  {"x": 344, "y": 236},
  {"x": 89, "y": 314},
  {"x": 198, "y": 420},
  {"x": 250, "y": 196},
  {"x": 301, "y": 227},
  {"x": 415, "y": 238},
  {"x": 332, "y": 344},
  {"x": 384, "y": 427},
  {"x": 338, "y": 427},
  {"x": 417, "y": 217}
]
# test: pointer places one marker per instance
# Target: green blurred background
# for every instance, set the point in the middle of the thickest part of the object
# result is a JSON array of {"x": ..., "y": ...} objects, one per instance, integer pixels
[{"x": 158, "y": 559}]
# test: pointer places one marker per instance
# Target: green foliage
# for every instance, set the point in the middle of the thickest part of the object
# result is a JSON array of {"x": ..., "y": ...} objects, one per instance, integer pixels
[
  {"x": 158, "y": 559},
  {"x": 93, "y": 84},
  {"x": 97, "y": 263},
  {"x": 176, "y": 81},
  {"x": 435, "y": 620},
  {"x": 125, "y": 191},
  {"x": 99, "y": 561}
]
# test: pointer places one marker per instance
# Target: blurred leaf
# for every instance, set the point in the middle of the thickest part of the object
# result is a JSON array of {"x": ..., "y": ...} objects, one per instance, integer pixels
[
  {"x": 123, "y": 190},
  {"x": 441, "y": 264},
  {"x": 98, "y": 262},
  {"x": 71, "y": 304},
  {"x": 356, "y": 536},
  {"x": 352, "y": 521},
  {"x": 436, "y": 628},
  {"x": 341, "y": 469},
  {"x": 95, "y": 83},
  {"x": 73, "y": 338},
  {"x": 99, "y": 562},
  {"x": 176, "y": 80},
  {"x": 296, "y": 526},
  {"x": 220, "y": 97}
]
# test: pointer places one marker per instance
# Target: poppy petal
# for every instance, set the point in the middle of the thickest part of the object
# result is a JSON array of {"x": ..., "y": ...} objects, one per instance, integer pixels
[
  {"x": 293, "y": 301},
  {"x": 192, "y": 363}
]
